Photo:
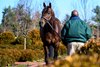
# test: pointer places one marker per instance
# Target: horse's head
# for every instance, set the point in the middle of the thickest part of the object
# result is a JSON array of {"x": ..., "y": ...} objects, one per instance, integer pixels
[{"x": 47, "y": 14}]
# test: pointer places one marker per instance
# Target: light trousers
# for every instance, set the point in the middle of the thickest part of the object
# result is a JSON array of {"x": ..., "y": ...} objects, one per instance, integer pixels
[{"x": 73, "y": 46}]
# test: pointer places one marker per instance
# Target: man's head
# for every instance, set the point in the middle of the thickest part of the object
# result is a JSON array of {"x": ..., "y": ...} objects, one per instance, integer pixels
[{"x": 74, "y": 13}]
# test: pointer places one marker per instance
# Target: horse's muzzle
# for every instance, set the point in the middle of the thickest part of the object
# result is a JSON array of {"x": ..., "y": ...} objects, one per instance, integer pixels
[{"x": 42, "y": 22}]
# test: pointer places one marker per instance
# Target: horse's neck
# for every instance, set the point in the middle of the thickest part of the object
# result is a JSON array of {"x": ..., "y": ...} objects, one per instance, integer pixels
[{"x": 52, "y": 20}]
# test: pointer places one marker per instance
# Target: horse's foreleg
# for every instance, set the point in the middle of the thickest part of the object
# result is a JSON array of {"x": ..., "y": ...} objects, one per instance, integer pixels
[
  {"x": 51, "y": 51},
  {"x": 56, "y": 51},
  {"x": 46, "y": 54}
]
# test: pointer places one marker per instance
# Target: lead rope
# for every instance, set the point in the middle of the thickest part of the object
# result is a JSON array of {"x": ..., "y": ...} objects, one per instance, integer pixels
[{"x": 53, "y": 29}]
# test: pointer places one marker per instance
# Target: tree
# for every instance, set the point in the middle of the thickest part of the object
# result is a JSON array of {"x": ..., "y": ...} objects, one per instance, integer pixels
[
  {"x": 67, "y": 17},
  {"x": 84, "y": 7},
  {"x": 17, "y": 20},
  {"x": 97, "y": 12},
  {"x": 24, "y": 14},
  {"x": 23, "y": 19},
  {"x": 96, "y": 18},
  {"x": 8, "y": 19},
  {"x": 35, "y": 20},
  {"x": 4, "y": 19}
]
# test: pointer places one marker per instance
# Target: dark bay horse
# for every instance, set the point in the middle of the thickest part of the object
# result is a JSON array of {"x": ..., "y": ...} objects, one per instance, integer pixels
[{"x": 50, "y": 33}]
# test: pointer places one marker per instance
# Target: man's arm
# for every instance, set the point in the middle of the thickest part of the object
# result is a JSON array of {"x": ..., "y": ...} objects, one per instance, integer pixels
[
  {"x": 63, "y": 32},
  {"x": 88, "y": 32}
]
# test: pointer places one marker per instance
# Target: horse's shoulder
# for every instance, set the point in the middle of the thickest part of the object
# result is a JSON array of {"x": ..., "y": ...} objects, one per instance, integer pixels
[{"x": 57, "y": 20}]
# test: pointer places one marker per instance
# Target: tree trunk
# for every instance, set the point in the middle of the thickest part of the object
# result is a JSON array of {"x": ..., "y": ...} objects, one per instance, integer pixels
[{"x": 25, "y": 43}]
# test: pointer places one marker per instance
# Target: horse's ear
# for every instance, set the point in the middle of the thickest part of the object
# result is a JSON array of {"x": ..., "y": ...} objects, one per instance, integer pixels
[
  {"x": 44, "y": 5},
  {"x": 50, "y": 5}
]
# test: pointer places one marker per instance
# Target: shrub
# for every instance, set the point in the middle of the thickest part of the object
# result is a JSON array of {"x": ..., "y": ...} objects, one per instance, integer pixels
[
  {"x": 34, "y": 34},
  {"x": 38, "y": 54},
  {"x": 20, "y": 40},
  {"x": 30, "y": 55},
  {"x": 27, "y": 55},
  {"x": 62, "y": 49},
  {"x": 78, "y": 61},
  {"x": 7, "y": 37},
  {"x": 9, "y": 56},
  {"x": 90, "y": 49},
  {"x": 5, "y": 60},
  {"x": 36, "y": 45}
]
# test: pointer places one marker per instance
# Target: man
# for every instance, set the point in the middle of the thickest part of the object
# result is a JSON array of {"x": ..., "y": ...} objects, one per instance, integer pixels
[{"x": 75, "y": 33}]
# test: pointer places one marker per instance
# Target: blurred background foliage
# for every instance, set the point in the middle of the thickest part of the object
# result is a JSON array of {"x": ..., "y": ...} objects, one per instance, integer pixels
[{"x": 12, "y": 50}]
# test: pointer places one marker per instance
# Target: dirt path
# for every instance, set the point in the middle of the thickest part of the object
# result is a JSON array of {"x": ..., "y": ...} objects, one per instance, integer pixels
[
  {"x": 30, "y": 64},
  {"x": 35, "y": 63}
]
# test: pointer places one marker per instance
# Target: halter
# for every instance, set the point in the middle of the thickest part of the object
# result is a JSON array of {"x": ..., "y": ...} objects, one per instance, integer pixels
[{"x": 49, "y": 24}]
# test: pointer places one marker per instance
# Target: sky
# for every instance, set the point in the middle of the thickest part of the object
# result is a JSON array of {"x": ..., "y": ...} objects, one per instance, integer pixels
[{"x": 61, "y": 7}]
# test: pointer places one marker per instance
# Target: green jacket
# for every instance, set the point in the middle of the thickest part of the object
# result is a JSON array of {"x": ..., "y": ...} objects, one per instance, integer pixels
[{"x": 75, "y": 30}]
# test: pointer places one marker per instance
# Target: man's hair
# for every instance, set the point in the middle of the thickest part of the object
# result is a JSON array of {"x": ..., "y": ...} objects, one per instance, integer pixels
[{"x": 74, "y": 13}]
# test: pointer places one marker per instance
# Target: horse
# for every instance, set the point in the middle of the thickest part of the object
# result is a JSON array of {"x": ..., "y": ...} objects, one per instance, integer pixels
[{"x": 50, "y": 31}]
